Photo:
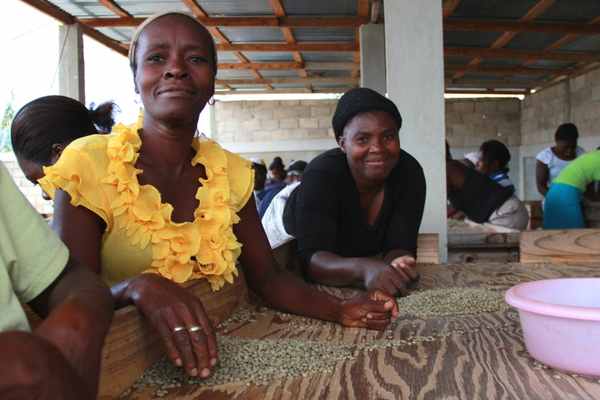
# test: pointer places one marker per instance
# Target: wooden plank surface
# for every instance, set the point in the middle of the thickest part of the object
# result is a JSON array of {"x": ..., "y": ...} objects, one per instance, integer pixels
[
  {"x": 468, "y": 357},
  {"x": 561, "y": 246}
]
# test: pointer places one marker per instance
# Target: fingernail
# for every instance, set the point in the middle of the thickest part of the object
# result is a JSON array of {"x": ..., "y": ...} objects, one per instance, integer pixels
[
  {"x": 205, "y": 372},
  {"x": 213, "y": 362},
  {"x": 178, "y": 362},
  {"x": 194, "y": 372},
  {"x": 388, "y": 304},
  {"x": 369, "y": 315}
]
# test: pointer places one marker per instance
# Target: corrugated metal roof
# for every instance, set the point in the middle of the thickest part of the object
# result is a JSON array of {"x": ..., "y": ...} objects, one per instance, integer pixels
[
  {"x": 236, "y": 7},
  {"x": 533, "y": 40},
  {"x": 476, "y": 10},
  {"x": 513, "y": 9},
  {"x": 327, "y": 56},
  {"x": 470, "y": 39},
  {"x": 248, "y": 35},
  {"x": 320, "y": 7},
  {"x": 263, "y": 56},
  {"x": 573, "y": 10},
  {"x": 324, "y": 34},
  {"x": 283, "y": 73}
]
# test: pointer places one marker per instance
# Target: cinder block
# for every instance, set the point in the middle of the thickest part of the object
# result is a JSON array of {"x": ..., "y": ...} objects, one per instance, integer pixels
[
  {"x": 308, "y": 123},
  {"x": 483, "y": 106},
  {"x": 324, "y": 122},
  {"x": 322, "y": 111},
  {"x": 269, "y": 124},
  {"x": 463, "y": 106},
  {"x": 288, "y": 123}
]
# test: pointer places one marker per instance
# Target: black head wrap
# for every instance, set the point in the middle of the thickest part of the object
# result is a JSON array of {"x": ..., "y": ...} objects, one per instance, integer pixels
[{"x": 359, "y": 100}]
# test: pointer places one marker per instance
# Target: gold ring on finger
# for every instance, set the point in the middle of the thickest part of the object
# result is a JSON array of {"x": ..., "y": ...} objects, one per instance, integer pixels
[
  {"x": 194, "y": 328},
  {"x": 178, "y": 329}
]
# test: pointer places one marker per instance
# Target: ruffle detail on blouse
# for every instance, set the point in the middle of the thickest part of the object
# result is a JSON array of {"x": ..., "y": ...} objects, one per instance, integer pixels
[{"x": 203, "y": 249}]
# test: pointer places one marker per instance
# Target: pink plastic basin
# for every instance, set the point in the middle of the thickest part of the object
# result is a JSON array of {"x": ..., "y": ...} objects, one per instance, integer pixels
[{"x": 561, "y": 322}]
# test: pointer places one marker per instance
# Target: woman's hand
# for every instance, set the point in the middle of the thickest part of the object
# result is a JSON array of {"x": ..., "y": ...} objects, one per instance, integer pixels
[
  {"x": 392, "y": 278},
  {"x": 372, "y": 310},
  {"x": 181, "y": 321}
]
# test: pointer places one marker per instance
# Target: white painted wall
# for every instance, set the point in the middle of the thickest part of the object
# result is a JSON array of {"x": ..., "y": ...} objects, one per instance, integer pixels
[{"x": 415, "y": 82}]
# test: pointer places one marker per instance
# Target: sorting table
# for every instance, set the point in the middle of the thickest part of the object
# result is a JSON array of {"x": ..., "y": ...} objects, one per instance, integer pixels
[{"x": 479, "y": 356}]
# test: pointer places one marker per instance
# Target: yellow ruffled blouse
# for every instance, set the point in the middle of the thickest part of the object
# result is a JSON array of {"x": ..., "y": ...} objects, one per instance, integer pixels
[{"x": 98, "y": 173}]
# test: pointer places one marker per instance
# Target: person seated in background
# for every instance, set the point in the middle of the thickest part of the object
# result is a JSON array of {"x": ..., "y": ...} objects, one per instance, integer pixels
[
  {"x": 562, "y": 206},
  {"x": 60, "y": 358},
  {"x": 481, "y": 199},
  {"x": 493, "y": 162},
  {"x": 153, "y": 205},
  {"x": 552, "y": 160},
  {"x": 292, "y": 174},
  {"x": 276, "y": 171},
  {"x": 42, "y": 128},
  {"x": 357, "y": 212},
  {"x": 260, "y": 178}
]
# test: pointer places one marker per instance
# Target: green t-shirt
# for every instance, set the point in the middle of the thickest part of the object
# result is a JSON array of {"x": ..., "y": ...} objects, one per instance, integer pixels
[
  {"x": 582, "y": 171},
  {"x": 31, "y": 255}
]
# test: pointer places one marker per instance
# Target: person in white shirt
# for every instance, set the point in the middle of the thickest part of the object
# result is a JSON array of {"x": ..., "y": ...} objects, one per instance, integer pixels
[{"x": 552, "y": 160}]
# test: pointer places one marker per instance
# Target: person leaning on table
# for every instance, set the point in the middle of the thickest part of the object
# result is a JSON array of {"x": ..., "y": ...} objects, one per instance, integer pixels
[
  {"x": 357, "y": 212},
  {"x": 60, "y": 358},
  {"x": 563, "y": 203},
  {"x": 154, "y": 197}
]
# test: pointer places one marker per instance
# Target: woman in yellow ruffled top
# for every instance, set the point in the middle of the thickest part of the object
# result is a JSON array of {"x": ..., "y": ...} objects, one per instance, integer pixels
[{"x": 153, "y": 197}]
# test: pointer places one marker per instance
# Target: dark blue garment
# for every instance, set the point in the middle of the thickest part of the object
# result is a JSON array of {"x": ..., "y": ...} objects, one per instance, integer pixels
[{"x": 267, "y": 196}]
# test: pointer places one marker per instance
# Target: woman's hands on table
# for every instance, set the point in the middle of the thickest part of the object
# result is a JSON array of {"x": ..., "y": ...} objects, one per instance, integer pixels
[
  {"x": 371, "y": 310},
  {"x": 392, "y": 278},
  {"x": 180, "y": 319}
]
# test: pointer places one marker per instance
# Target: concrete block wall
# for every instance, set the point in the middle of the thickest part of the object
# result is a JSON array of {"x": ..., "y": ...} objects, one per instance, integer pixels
[
  {"x": 574, "y": 100},
  {"x": 257, "y": 121},
  {"x": 469, "y": 122},
  {"x": 32, "y": 193}
]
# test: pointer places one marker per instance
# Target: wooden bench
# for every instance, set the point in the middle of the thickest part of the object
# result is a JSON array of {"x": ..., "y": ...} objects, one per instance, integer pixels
[{"x": 573, "y": 246}]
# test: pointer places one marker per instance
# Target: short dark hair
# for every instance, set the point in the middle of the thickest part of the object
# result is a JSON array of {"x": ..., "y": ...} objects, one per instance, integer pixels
[
  {"x": 567, "y": 133},
  {"x": 260, "y": 168},
  {"x": 50, "y": 120},
  {"x": 494, "y": 150}
]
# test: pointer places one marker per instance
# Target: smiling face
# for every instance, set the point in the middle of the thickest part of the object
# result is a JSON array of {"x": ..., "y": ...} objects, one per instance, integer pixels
[
  {"x": 174, "y": 73},
  {"x": 372, "y": 146}
]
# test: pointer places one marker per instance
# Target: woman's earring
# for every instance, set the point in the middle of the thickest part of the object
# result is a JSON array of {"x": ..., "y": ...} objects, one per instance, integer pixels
[{"x": 211, "y": 102}]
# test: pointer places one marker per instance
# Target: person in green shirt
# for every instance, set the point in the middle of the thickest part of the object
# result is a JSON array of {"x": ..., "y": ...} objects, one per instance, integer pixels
[
  {"x": 60, "y": 358},
  {"x": 562, "y": 207}
]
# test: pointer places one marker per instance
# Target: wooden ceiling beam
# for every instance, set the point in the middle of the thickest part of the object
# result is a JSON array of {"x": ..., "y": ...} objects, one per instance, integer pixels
[
  {"x": 269, "y": 81},
  {"x": 199, "y": 13},
  {"x": 490, "y": 84},
  {"x": 521, "y": 54},
  {"x": 243, "y": 22},
  {"x": 195, "y": 8},
  {"x": 302, "y": 46},
  {"x": 115, "y": 8},
  {"x": 449, "y": 6},
  {"x": 506, "y": 37},
  {"x": 516, "y": 26},
  {"x": 489, "y": 91},
  {"x": 232, "y": 91},
  {"x": 285, "y": 65},
  {"x": 279, "y": 12},
  {"x": 502, "y": 70},
  {"x": 362, "y": 11}
]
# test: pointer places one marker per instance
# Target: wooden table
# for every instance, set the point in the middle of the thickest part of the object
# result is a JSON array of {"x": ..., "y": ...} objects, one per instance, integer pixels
[{"x": 471, "y": 357}]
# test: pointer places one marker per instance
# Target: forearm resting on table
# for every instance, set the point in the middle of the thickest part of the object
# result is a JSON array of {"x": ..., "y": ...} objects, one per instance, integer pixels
[
  {"x": 288, "y": 293},
  {"x": 330, "y": 269},
  {"x": 79, "y": 308}
]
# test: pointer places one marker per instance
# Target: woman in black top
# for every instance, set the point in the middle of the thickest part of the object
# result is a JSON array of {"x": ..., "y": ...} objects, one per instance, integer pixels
[{"x": 357, "y": 213}]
